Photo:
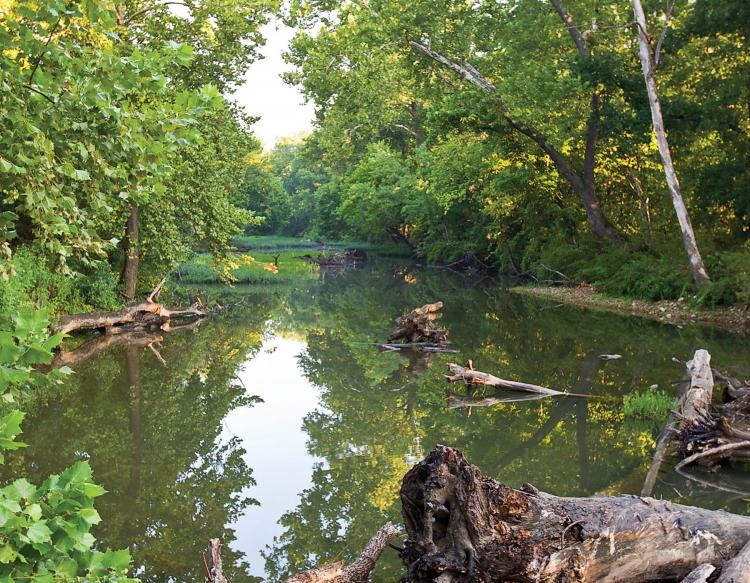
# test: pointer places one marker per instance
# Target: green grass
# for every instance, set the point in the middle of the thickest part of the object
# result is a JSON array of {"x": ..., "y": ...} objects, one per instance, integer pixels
[
  {"x": 649, "y": 404},
  {"x": 279, "y": 242},
  {"x": 202, "y": 269}
]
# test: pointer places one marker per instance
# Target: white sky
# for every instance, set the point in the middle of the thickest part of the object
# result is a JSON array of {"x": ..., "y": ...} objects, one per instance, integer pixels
[{"x": 280, "y": 106}]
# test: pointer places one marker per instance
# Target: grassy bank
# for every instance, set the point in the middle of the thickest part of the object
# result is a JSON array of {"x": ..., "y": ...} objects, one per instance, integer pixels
[
  {"x": 733, "y": 318},
  {"x": 261, "y": 268}
]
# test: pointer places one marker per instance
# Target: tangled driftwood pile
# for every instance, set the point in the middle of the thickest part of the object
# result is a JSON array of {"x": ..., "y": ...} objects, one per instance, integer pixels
[
  {"x": 709, "y": 434},
  {"x": 417, "y": 330}
]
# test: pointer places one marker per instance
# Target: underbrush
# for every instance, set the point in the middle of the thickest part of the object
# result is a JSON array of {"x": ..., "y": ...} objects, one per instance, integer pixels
[
  {"x": 649, "y": 404},
  {"x": 36, "y": 282},
  {"x": 654, "y": 274}
]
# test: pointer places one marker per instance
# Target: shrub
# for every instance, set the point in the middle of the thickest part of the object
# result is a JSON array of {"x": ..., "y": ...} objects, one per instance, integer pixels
[{"x": 649, "y": 404}]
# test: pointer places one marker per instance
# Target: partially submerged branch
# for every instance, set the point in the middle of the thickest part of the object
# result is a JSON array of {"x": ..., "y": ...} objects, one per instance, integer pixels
[
  {"x": 475, "y": 377},
  {"x": 359, "y": 570}
]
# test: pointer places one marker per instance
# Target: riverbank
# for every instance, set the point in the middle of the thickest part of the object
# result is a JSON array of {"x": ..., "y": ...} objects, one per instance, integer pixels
[{"x": 735, "y": 319}]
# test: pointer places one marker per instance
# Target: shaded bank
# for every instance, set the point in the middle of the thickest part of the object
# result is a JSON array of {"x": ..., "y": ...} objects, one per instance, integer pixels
[{"x": 735, "y": 319}]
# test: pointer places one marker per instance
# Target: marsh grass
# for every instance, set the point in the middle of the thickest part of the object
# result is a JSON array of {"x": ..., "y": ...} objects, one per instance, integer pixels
[{"x": 648, "y": 404}]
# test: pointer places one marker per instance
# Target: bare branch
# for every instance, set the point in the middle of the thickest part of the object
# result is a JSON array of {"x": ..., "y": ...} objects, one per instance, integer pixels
[
  {"x": 663, "y": 35},
  {"x": 575, "y": 34}
]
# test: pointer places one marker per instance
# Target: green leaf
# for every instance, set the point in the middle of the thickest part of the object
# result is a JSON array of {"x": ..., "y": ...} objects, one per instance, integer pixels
[
  {"x": 39, "y": 532},
  {"x": 90, "y": 516}
]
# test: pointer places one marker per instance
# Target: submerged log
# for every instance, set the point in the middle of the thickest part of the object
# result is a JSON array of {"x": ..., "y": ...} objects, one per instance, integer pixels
[
  {"x": 418, "y": 326},
  {"x": 359, "y": 571},
  {"x": 465, "y": 526},
  {"x": 418, "y": 347}
]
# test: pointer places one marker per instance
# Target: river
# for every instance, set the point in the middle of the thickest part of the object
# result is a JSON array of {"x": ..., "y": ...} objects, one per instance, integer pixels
[{"x": 280, "y": 428}]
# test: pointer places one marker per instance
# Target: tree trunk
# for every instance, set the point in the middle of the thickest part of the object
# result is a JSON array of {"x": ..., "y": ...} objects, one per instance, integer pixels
[
  {"x": 583, "y": 186},
  {"x": 132, "y": 255},
  {"x": 598, "y": 223},
  {"x": 465, "y": 526},
  {"x": 135, "y": 317},
  {"x": 700, "y": 275}
]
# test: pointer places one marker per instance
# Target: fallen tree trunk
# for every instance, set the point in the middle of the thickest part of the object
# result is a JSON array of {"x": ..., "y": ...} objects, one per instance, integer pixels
[
  {"x": 465, "y": 526},
  {"x": 359, "y": 571},
  {"x": 141, "y": 316},
  {"x": 419, "y": 326},
  {"x": 475, "y": 377}
]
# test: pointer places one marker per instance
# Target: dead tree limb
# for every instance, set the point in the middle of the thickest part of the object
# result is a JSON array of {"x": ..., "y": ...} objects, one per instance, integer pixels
[
  {"x": 216, "y": 571},
  {"x": 146, "y": 315},
  {"x": 465, "y": 526},
  {"x": 475, "y": 377},
  {"x": 359, "y": 570},
  {"x": 700, "y": 574},
  {"x": 667, "y": 435},
  {"x": 418, "y": 346}
]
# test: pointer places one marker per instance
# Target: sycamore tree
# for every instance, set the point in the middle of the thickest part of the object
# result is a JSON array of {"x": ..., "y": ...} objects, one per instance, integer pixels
[
  {"x": 115, "y": 141},
  {"x": 85, "y": 125}
]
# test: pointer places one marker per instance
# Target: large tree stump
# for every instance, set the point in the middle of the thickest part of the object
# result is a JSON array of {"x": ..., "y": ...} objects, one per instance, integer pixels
[
  {"x": 418, "y": 326},
  {"x": 464, "y": 526}
]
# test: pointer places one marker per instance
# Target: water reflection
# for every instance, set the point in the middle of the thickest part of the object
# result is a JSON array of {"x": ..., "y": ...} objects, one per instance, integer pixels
[{"x": 341, "y": 422}]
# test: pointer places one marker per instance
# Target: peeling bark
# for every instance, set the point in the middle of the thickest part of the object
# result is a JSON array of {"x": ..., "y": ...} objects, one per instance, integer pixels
[
  {"x": 465, "y": 526},
  {"x": 698, "y": 269}
]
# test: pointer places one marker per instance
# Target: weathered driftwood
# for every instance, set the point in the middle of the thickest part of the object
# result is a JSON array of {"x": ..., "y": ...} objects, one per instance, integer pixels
[
  {"x": 146, "y": 315},
  {"x": 700, "y": 574},
  {"x": 475, "y": 377},
  {"x": 664, "y": 441},
  {"x": 359, "y": 570},
  {"x": 418, "y": 326},
  {"x": 738, "y": 569},
  {"x": 709, "y": 435},
  {"x": 465, "y": 526}
]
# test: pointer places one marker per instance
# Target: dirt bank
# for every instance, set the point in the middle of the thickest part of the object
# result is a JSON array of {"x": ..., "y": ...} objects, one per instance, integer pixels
[{"x": 735, "y": 319}]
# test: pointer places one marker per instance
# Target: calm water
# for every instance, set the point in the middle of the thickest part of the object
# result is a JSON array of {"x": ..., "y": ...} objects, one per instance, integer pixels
[{"x": 278, "y": 427}]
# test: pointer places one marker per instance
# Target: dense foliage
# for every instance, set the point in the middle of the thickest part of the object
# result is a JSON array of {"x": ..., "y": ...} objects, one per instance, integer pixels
[
  {"x": 117, "y": 147},
  {"x": 407, "y": 149},
  {"x": 45, "y": 529}
]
